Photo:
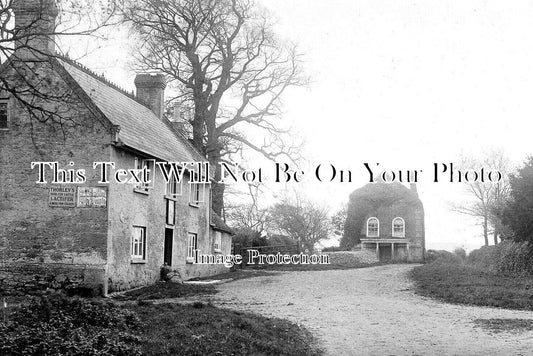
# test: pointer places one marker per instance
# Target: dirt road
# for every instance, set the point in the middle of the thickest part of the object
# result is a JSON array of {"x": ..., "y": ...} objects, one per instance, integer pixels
[{"x": 374, "y": 311}]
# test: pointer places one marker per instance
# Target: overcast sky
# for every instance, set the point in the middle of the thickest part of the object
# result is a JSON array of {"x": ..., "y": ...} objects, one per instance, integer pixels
[{"x": 404, "y": 84}]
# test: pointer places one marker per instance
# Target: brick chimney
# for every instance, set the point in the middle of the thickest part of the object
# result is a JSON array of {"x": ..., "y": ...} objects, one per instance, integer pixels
[
  {"x": 35, "y": 24},
  {"x": 151, "y": 90},
  {"x": 177, "y": 121}
]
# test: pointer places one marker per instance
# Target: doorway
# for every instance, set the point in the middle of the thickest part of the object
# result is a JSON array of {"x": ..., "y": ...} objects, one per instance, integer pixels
[
  {"x": 167, "y": 252},
  {"x": 385, "y": 253}
]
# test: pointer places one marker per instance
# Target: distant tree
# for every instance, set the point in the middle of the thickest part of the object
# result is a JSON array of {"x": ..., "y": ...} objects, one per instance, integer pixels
[
  {"x": 281, "y": 240},
  {"x": 487, "y": 197},
  {"x": 249, "y": 238},
  {"x": 301, "y": 220},
  {"x": 339, "y": 219},
  {"x": 230, "y": 71},
  {"x": 249, "y": 215},
  {"x": 518, "y": 212}
]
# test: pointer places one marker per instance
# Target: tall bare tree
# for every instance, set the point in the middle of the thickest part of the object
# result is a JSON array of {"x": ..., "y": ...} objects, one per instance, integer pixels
[
  {"x": 230, "y": 71},
  {"x": 487, "y": 197}
]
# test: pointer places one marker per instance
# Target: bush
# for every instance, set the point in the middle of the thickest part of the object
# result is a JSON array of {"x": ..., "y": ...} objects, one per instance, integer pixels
[
  {"x": 508, "y": 258},
  {"x": 443, "y": 257},
  {"x": 249, "y": 238},
  {"x": 461, "y": 253},
  {"x": 333, "y": 249},
  {"x": 513, "y": 258},
  {"x": 482, "y": 257},
  {"x": 55, "y": 325}
]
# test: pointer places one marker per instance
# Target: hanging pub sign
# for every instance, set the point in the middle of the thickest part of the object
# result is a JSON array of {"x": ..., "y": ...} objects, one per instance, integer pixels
[
  {"x": 62, "y": 197},
  {"x": 92, "y": 197}
]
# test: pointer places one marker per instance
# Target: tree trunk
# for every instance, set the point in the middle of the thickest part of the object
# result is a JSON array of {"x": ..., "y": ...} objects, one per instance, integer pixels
[
  {"x": 217, "y": 192},
  {"x": 495, "y": 236},
  {"x": 217, "y": 189},
  {"x": 486, "y": 230}
]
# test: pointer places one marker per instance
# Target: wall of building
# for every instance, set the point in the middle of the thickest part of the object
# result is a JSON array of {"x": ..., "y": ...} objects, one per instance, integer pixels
[
  {"x": 413, "y": 216},
  {"x": 73, "y": 247},
  {"x": 129, "y": 207},
  {"x": 43, "y": 246}
]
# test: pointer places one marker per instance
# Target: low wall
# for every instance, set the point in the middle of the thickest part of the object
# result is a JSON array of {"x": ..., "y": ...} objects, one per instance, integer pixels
[
  {"x": 351, "y": 258},
  {"x": 35, "y": 278}
]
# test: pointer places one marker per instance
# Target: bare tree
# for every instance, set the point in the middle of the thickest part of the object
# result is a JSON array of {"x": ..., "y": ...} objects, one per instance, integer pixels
[
  {"x": 248, "y": 216},
  {"x": 229, "y": 69},
  {"x": 488, "y": 197},
  {"x": 339, "y": 219},
  {"x": 302, "y": 220}
]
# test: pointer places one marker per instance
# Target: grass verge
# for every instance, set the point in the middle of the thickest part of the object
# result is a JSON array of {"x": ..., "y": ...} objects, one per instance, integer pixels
[
  {"x": 201, "y": 329},
  {"x": 163, "y": 290},
  {"x": 58, "y": 325},
  {"x": 464, "y": 284}
]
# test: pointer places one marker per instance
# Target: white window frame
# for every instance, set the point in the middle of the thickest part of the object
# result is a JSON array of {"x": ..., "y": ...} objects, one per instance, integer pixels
[
  {"x": 138, "y": 243},
  {"x": 170, "y": 212},
  {"x": 174, "y": 189},
  {"x": 402, "y": 233},
  {"x": 368, "y": 227},
  {"x": 192, "y": 246},
  {"x": 196, "y": 191},
  {"x": 6, "y": 103},
  {"x": 140, "y": 163},
  {"x": 217, "y": 244}
]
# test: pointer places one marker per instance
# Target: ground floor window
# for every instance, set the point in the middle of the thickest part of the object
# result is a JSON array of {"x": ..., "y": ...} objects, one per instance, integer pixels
[
  {"x": 218, "y": 241},
  {"x": 138, "y": 243},
  {"x": 192, "y": 246}
]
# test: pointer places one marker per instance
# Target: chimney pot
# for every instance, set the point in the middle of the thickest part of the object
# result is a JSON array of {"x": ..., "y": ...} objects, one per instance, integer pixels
[{"x": 151, "y": 91}]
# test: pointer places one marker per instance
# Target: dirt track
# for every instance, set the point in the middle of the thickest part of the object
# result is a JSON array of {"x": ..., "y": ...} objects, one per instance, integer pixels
[{"x": 374, "y": 311}]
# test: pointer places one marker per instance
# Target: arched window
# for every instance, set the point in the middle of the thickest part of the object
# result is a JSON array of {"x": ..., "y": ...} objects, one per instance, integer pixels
[
  {"x": 372, "y": 227},
  {"x": 398, "y": 227}
]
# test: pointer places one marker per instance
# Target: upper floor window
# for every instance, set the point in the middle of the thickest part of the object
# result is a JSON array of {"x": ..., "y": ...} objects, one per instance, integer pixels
[
  {"x": 173, "y": 188},
  {"x": 196, "y": 195},
  {"x": 4, "y": 115},
  {"x": 372, "y": 227},
  {"x": 141, "y": 163},
  {"x": 398, "y": 227}
]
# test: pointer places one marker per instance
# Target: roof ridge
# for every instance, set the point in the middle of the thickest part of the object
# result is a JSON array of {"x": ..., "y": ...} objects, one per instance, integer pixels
[
  {"x": 183, "y": 137},
  {"x": 101, "y": 77}
]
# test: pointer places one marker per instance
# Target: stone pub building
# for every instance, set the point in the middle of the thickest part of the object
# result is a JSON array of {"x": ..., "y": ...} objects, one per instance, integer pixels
[{"x": 102, "y": 237}]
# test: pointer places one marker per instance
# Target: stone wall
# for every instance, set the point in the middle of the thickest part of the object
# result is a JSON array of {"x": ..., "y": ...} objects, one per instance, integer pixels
[
  {"x": 351, "y": 258},
  {"x": 33, "y": 233},
  {"x": 36, "y": 278}
]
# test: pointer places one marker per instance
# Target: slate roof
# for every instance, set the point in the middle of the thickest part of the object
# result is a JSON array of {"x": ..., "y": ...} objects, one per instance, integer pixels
[
  {"x": 218, "y": 224},
  {"x": 140, "y": 128}
]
